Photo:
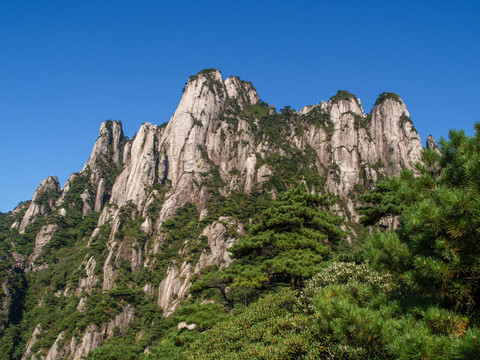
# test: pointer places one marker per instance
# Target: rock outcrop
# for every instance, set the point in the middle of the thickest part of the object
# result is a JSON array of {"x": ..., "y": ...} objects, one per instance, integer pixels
[
  {"x": 394, "y": 136},
  {"x": 432, "y": 145},
  {"x": 43, "y": 201},
  {"x": 96, "y": 179}
]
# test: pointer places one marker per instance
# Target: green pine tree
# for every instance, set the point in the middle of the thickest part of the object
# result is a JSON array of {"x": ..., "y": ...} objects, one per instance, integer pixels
[
  {"x": 290, "y": 242},
  {"x": 436, "y": 249}
]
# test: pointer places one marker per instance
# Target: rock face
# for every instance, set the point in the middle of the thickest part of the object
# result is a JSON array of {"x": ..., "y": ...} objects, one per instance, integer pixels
[
  {"x": 183, "y": 150},
  {"x": 43, "y": 238},
  {"x": 107, "y": 147},
  {"x": 28, "y": 350},
  {"x": 43, "y": 201},
  {"x": 142, "y": 169},
  {"x": 432, "y": 145},
  {"x": 99, "y": 172},
  {"x": 218, "y": 243},
  {"x": 221, "y": 140},
  {"x": 87, "y": 283},
  {"x": 174, "y": 287},
  {"x": 92, "y": 338},
  {"x": 395, "y": 137}
]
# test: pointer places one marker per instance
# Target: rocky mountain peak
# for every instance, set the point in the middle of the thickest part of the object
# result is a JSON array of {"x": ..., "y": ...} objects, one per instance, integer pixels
[
  {"x": 432, "y": 145},
  {"x": 48, "y": 186},
  {"x": 141, "y": 170},
  {"x": 107, "y": 146},
  {"x": 173, "y": 152},
  {"x": 110, "y": 151},
  {"x": 43, "y": 201},
  {"x": 342, "y": 95},
  {"x": 242, "y": 91},
  {"x": 393, "y": 132}
]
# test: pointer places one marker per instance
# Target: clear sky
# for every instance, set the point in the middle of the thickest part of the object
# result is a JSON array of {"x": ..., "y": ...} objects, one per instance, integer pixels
[{"x": 67, "y": 66}]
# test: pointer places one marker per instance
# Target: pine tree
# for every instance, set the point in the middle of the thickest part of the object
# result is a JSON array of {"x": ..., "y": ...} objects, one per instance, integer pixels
[
  {"x": 437, "y": 247},
  {"x": 289, "y": 243}
]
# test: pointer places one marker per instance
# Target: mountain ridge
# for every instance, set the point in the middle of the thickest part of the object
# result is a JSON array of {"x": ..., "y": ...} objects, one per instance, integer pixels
[{"x": 222, "y": 146}]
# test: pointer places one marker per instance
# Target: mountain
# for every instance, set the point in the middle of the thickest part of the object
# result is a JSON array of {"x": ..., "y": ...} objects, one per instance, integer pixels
[{"x": 145, "y": 217}]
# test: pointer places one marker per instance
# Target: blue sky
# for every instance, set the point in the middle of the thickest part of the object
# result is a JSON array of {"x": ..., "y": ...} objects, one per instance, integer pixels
[{"x": 66, "y": 66}]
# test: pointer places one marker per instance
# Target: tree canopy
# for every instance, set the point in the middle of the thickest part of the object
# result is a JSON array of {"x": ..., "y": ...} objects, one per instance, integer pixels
[
  {"x": 436, "y": 248},
  {"x": 292, "y": 238}
]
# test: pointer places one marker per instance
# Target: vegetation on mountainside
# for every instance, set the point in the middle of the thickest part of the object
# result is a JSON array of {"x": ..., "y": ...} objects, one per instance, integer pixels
[
  {"x": 342, "y": 95},
  {"x": 287, "y": 245},
  {"x": 387, "y": 95},
  {"x": 320, "y": 119},
  {"x": 56, "y": 270},
  {"x": 288, "y": 163}
]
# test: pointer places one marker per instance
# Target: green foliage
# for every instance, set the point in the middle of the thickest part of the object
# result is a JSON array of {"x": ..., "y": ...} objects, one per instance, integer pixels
[
  {"x": 11, "y": 345},
  {"x": 296, "y": 165},
  {"x": 273, "y": 128},
  {"x": 213, "y": 84},
  {"x": 72, "y": 228},
  {"x": 98, "y": 244},
  {"x": 47, "y": 198},
  {"x": 405, "y": 118},
  {"x": 103, "y": 306},
  {"x": 175, "y": 341},
  {"x": 288, "y": 163},
  {"x": 363, "y": 323},
  {"x": 80, "y": 183},
  {"x": 204, "y": 72},
  {"x": 435, "y": 249},
  {"x": 155, "y": 206},
  {"x": 348, "y": 311},
  {"x": 286, "y": 244},
  {"x": 251, "y": 112},
  {"x": 109, "y": 124},
  {"x": 342, "y": 95},
  {"x": 11, "y": 240},
  {"x": 387, "y": 95},
  {"x": 291, "y": 240},
  {"x": 320, "y": 119},
  {"x": 392, "y": 197},
  {"x": 272, "y": 328},
  {"x": 348, "y": 272},
  {"x": 204, "y": 316},
  {"x": 239, "y": 205},
  {"x": 131, "y": 229},
  {"x": 361, "y": 313},
  {"x": 185, "y": 225},
  {"x": 115, "y": 352},
  {"x": 361, "y": 122}
]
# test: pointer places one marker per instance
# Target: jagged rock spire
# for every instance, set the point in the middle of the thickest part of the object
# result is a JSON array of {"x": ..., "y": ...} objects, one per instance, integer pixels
[
  {"x": 432, "y": 145},
  {"x": 42, "y": 202},
  {"x": 394, "y": 135},
  {"x": 107, "y": 146}
]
